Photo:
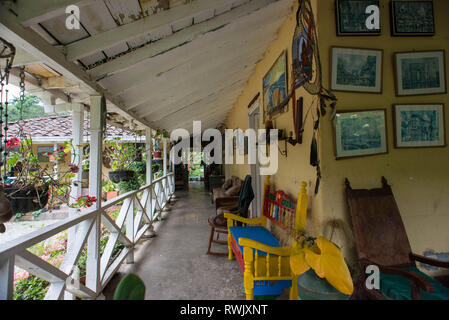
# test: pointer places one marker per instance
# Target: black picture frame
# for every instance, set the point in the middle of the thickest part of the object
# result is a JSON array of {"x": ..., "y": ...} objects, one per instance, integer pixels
[
  {"x": 357, "y": 16},
  {"x": 413, "y": 17}
]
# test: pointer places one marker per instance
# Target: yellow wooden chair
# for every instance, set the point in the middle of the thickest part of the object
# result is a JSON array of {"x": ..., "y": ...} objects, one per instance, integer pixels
[{"x": 261, "y": 258}]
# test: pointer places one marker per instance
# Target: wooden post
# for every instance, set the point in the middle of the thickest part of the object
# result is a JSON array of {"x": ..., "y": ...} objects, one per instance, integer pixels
[
  {"x": 95, "y": 166},
  {"x": 7, "y": 279},
  {"x": 77, "y": 157}
]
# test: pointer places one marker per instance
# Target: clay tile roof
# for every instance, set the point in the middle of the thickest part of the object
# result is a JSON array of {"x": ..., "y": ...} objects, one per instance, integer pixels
[{"x": 56, "y": 126}]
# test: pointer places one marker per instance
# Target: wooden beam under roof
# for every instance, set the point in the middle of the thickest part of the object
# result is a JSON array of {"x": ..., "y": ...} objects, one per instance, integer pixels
[
  {"x": 150, "y": 25},
  {"x": 11, "y": 29},
  {"x": 223, "y": 48},
  {"x": 176, "y": 40},
  {"x": 30, "y": 12}
]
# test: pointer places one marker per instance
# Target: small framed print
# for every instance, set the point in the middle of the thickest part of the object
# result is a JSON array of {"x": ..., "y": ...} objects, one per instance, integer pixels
[
  {"x": 356, "y": 70},
  {"x": 420, "y": 73},
  {"x": 353, "y": 15},
  {"x": 360, "y": 133},
  {"x": 419, "y": 125},
  {"x": 412, "y": 18}
]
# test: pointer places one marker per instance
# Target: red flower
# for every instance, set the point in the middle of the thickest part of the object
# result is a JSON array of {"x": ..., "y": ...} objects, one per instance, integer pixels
[
  {"x": 13, "y": 142},
  {"x": 49, "y": 154}
]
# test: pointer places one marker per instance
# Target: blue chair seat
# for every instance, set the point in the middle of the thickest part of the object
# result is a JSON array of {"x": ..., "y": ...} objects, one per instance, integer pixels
[
  {"x": 256, "y": 233},
  {"x": 399, "y": 288}
]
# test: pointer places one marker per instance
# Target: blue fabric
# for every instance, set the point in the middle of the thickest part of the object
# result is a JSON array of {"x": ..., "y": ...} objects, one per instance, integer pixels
[
  {"x": 399, "y": 288},
  {"x": 256, "y": 233}
]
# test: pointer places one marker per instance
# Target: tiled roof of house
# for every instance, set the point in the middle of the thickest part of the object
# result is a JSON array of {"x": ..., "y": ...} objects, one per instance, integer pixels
[{"x": 57, "y": 126}]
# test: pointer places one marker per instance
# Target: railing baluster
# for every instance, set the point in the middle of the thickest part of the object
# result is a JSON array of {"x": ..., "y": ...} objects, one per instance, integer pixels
[
  {"x": 7, "y": 279},
  {"x": 99, "y": 270}
]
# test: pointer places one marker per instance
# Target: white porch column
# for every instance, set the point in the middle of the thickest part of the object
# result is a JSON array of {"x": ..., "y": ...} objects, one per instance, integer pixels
[
  {"x": 56, "y": 167},
  {"x": 95, "y": 166},
  {"x": 149, "y": 152},
  {"x": 149, "y": 175},
  {"x": 165, "y": 156},
  {"x": 77, "y": 157}
]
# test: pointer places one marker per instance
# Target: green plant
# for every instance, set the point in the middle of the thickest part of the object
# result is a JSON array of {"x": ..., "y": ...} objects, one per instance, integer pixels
[
  {"x": 121, "y": 155},
  {"x": 130, "y": 185},
  {"x": 33, "y": 174},
  {"x": 161, "y": 133},
  {"x": 30, "y": 287},
  {"x": 130, "y": 287},
  {"x": 109, "y": 186}
]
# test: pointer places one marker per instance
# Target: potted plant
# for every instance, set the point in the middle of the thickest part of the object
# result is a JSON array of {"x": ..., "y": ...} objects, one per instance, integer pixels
[
  {"x": 160, "y": 133},
  {"x": 109, "y": 190},
  {"x": 122, "y": 156},
  {"x": 37, "y": 184}
]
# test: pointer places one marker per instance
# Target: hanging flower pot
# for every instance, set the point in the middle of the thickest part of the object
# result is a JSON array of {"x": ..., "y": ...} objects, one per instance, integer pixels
[
  {"x": 27, "y": 199},
  {"x": 121, "y": 175}
]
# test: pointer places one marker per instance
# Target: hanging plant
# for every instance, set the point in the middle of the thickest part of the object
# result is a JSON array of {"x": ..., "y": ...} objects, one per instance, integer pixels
[{"x": 121, "y": 157}]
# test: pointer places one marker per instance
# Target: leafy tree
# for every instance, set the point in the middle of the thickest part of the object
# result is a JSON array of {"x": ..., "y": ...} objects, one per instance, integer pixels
[{"x": 31, "y": 108}]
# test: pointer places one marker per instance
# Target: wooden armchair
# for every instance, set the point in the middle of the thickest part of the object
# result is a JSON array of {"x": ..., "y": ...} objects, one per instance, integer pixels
[{"x": 381, "y": 240}]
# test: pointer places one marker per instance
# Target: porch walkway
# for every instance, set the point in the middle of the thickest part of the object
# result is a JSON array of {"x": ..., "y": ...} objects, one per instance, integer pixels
[{"x": 174, "y": 265}]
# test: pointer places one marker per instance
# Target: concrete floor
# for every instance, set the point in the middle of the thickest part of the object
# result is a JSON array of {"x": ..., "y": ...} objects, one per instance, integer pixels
[{"x": 174, "y": 265}]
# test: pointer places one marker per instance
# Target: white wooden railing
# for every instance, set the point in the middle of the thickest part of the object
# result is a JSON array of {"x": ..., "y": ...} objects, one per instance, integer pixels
[{"x": 140, "y": 209}]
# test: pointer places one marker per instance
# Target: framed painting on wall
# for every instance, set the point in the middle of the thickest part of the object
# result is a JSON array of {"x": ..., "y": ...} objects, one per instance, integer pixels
[
  {"x": 360, "y": 133},
  {"x": 356, "y": 70},
  {"x": 275, "y": 86},
  {"x": 353, "y": 17},
  {"x": 412, "y": 18},
  {"x": 419, "y": 125},
  {"x": 420, "y": 73}
]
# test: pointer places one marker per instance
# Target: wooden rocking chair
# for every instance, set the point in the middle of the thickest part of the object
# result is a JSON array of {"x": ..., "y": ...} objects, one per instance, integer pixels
[{"x": 381, "y": 240}]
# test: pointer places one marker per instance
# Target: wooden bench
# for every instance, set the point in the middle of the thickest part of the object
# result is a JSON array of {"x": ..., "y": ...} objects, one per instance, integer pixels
[{"x": 264, "y": 262}]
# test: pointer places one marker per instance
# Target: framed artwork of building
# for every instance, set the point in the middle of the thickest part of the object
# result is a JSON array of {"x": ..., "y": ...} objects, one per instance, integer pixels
[
  {"x": 356, "y": 70},
  {"x": 419, "y": 125},
  {"x": 412, "y": 18},
  {"x": 353, "y": 17},
  {"x": 420, "y": 73}
]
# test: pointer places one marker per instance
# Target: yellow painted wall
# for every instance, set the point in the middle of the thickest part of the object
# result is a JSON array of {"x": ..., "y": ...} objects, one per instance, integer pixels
[
  {"x": 295, "y": 168},
  {"x": 419, "y": 177}
]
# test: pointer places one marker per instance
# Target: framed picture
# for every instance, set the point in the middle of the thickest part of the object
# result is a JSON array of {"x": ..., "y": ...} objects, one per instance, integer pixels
[
  {"x": 412, "y": 18},
  {"x": 356, "y": 70},
  {"x": 420, "y": 73},
  {"x": 275, "y": 86},
  {"x": 419, "y": 125},
  {"x": 360, "y": 133},
  {"x": 352, "y": 17}
]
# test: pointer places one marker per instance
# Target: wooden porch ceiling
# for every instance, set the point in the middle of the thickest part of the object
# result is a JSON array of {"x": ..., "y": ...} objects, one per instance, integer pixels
[{"x": 164, "y": 63}]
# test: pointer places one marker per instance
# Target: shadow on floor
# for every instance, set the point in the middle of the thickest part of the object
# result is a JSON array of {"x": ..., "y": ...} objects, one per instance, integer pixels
[{"x": 174, "y": 265}]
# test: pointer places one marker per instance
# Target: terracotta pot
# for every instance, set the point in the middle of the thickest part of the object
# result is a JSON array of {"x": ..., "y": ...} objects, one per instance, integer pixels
[{"x": 111, "y": 195}]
